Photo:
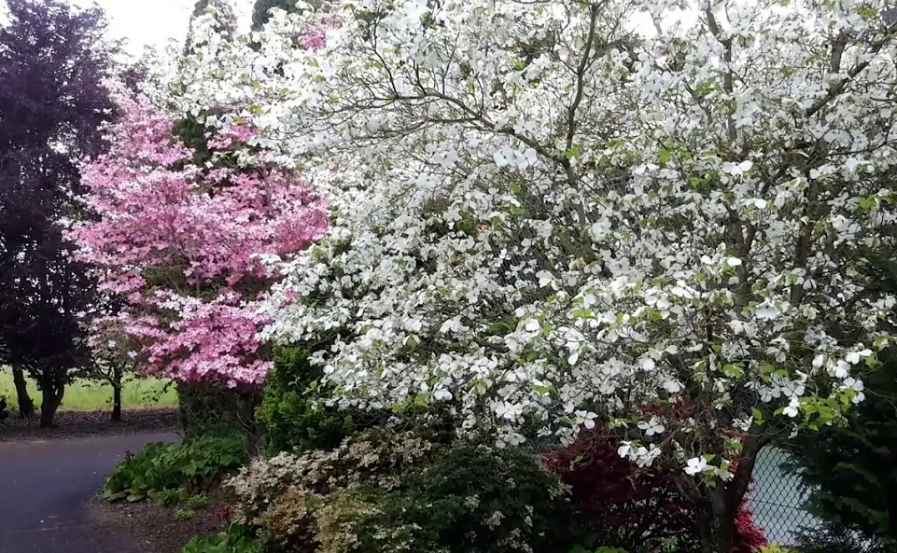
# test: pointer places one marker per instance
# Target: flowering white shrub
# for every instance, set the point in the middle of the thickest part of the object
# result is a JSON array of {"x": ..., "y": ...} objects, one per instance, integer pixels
[{"x": 652, "y": 213}]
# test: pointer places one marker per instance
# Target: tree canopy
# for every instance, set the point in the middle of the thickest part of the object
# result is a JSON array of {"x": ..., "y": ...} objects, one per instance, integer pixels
[
  {"x": 553, "y": 214},
  {"x": 52, "y": 64}
]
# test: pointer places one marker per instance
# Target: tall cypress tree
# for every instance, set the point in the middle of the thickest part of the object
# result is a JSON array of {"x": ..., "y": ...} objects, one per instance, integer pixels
[
  {"x": 220, "y": 10},
  {"x": 52, "y": 102},
  {"x": 261, "y": 11}
]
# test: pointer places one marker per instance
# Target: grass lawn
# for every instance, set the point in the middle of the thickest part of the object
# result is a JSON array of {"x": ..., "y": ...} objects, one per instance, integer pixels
[{"x": 87, "y": 395}]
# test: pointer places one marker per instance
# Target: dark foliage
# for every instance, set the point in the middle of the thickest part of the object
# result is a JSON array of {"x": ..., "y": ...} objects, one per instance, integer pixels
[
  {"x": 641, "y": 510},
  {"x": 204, "y": 409},
  {"x": 471, "y": 499},
  {"x": 195, "y": 135},
  {"x": 835, "y": 539},
  {"x": 749, "y": 538},
  {"x": 292, "y": 418},
  {"x": 852, "y": 469},
  {"x": 620, "y": 505},
  {"x": 261, "y": 11},
  {"x": 223, "y": 13},
  {"x": 52, "y": 61}
]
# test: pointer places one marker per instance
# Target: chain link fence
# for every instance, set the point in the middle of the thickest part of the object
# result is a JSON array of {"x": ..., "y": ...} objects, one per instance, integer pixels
[{"x": 778, "y": 499}]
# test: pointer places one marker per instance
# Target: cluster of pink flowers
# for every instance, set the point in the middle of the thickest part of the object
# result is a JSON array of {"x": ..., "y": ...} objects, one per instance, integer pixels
[
  {"x": 185, "y": 246},
  {"x": 314, "y": 40},
  {"x": 233, "y": 135}
]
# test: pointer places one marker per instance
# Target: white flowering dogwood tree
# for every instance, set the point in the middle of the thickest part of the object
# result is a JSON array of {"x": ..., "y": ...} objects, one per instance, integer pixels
[{"x": 555, "y": 214}]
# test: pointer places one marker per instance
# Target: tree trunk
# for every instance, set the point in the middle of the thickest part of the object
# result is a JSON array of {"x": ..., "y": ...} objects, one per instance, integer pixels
[
  {"x": 185, "y": 406},
  {"x": 722, "y": 526},
  {"x": 51, "y": 400},
  {"x": 26, "y": 406},
  {"x": 723, "y": 503},
  {"x": 116, "y": 394},
  {"x": 246, "y": 407}
]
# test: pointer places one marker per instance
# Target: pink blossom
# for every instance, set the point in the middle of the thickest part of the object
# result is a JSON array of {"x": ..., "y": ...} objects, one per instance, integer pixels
[
  {"x": 314, "y": 40},
  {"x": 183, "y": 246},
  {"x": 233, "y": 136}
]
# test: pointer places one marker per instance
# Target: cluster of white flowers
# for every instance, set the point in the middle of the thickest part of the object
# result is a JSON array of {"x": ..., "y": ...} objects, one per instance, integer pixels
[{"x": 556, "y": 213}]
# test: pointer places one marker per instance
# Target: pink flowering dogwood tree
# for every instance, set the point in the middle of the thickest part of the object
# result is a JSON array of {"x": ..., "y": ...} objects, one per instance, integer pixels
[{"x": 190, "y": 247}]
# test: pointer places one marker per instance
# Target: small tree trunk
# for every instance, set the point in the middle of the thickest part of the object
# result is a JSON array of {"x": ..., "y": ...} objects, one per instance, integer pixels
[
  {"x": 246, "y": 407},
  {"x": 51, "y": 399},
  {"x": 116, "y": 394},
  {"x": 723, "y": 503},
  {"x": 185, "y": 406},
  {"x": 26, "y": 406},
  {"x": 722, "y": 527}
]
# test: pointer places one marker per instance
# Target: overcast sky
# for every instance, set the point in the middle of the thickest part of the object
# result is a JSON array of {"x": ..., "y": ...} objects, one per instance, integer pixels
[{"x": 153, "y": 22}]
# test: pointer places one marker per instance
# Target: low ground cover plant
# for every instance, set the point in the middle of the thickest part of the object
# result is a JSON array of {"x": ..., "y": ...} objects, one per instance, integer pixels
[
  {"x": 170, "y": 473},
  {"x": 235, "y": 539}
]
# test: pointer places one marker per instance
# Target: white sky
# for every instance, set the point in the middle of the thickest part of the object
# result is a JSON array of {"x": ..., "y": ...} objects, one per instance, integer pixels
[{"x": 154, "y": 22}]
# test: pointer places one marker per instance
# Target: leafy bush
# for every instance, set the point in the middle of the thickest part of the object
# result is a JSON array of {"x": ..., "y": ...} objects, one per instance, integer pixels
[
  {"x": 166, "y": 471},
  {"x": 749, "y": 538},
  {"x": 851, "y": 470},
  {"x": 834, "y": 538},
  {"x": 618, "y": 503},
  {"x": 470, "y": 499},
  {"x": 235, "y": 540},
  {"x": 292, "y": 416},
  {"x": 639, "y": 509},
  {"x": 280, "y": 495},
  {"x": 387, "y": 489},
  {"x": 208, "y": 409}
]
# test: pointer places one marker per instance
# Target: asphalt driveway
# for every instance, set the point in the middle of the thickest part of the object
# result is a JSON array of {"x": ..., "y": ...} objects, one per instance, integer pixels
[{"x": 45, "y": 485}]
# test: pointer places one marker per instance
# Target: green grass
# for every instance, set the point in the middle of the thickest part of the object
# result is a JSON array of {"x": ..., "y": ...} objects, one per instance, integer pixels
[{"x": 88, "y": 395}]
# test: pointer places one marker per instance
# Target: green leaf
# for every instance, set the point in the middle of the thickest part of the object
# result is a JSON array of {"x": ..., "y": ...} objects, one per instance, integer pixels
[
  {"x": 573, "y": 151},
  {"x": 758, "y": 416},
  {"x": 665, "y": 156},
  {"x": 733, "y": 371}
]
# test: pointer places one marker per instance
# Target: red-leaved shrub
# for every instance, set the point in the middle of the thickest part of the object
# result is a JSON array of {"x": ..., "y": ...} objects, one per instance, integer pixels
[
  {"x": 749, "y": 538},
  {"x": 635, "y": 508}
]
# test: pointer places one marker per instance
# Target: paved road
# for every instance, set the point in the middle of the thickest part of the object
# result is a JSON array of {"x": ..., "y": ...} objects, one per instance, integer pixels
[{"x": 44, "y": 486}]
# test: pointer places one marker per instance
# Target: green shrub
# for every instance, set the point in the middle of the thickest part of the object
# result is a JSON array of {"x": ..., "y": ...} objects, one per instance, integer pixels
[
  {"x": 834, "y": 538},
  {"x": 168, "y": 472},
  {"x": 206, "y": 409},
  {"x": 292, "y": 417},
  {"x": 470, "y": 499},
  {"x": 281, "y": 495},
  {"x": 391, "y": 490},
  {"x": 235, "y": 540},
  {"x": 184, "y": 514}
]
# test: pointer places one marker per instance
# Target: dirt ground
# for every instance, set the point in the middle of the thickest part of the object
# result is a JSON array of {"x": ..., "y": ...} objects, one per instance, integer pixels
[
  {"x": 78, "y": 424},
  {"x": 153, "y": 528}
]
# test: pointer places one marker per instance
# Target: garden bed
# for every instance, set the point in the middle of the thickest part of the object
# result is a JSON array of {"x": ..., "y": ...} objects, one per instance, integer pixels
[{"x": 153, "y": 527}]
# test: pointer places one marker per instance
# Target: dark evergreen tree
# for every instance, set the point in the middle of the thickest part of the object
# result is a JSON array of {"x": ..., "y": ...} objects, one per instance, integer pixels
[
  {"x": 223, "y": 14},
  {"x": 852, "y": 469},
  {"x": 261, "y": 11},
  {"x": 52, "y": 102}
]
